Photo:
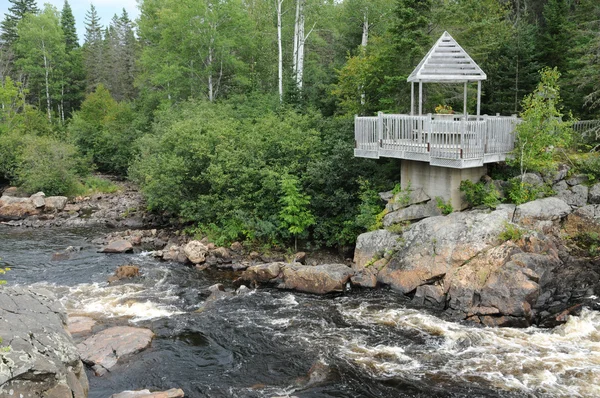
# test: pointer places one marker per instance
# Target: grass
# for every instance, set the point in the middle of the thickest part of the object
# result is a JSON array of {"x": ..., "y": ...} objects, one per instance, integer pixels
[{"x": 93, "y": 185}]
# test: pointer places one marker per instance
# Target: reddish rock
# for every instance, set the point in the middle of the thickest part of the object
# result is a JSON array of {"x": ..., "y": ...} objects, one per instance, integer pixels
[
  {"x": 12, "y": 208},
  {"x": 80, "y": 324},
  {"x": 124, "y": 272},
  {"x": 300, "y": 257},
  {"x": 103, "y": 350}
]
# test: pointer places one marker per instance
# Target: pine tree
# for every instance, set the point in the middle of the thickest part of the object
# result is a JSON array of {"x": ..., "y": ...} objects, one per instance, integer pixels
[
  {"x": 67, "y": 22},
  {"x": 555, "y": 39},
  {"x": 92, "y": 49},
  {"x": 72, "y": 89},
  {"x": 16, "y": 12}
]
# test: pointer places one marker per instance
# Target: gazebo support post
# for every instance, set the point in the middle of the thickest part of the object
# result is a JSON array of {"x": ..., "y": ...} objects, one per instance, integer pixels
[
  {"x": 465, "y": 101},
  {"x": 478, "y": 99},
  {"x": 412, "y": 98},
  {"x": 420, "y": 98}
]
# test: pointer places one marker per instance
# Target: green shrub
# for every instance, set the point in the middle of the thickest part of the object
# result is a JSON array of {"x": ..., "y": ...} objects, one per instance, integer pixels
[
  {"x": 371, "y": 211},
  {"x": 589, "y": 164},
  {"x": 519, "y": 192},
  {"x": 511, "y": 232},
  {"x": 93, "y": 184},
  {"x": 49, "y": 165},
  {"x": 588, "y": 242},
  {"x": 480, "y": 193},
  {"x": 445, "y": 207}
]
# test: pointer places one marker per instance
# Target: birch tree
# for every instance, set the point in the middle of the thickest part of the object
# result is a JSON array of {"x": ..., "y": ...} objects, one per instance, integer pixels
[{"x": 40, "y": 48}]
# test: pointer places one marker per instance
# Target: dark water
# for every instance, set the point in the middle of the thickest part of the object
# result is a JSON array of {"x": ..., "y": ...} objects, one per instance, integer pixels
[{"x": 263, "y": 344}]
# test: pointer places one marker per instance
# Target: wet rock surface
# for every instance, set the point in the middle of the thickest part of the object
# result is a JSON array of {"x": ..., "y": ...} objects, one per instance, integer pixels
[
  {"x": 41, "y": 359},
  {"x": 103, "y": 350},
  {"x": 320, "y": 279}
]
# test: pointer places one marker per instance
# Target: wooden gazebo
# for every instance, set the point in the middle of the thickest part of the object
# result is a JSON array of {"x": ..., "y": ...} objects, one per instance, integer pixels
[{"x": 446, "y": 62}]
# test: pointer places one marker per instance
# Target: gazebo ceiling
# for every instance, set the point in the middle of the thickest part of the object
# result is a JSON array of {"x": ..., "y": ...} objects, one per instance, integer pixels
[{"x": 447, "y": 62}]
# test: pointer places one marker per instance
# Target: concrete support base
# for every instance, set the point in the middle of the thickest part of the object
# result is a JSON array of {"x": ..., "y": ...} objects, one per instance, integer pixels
[{"x": 439, "y": 181}]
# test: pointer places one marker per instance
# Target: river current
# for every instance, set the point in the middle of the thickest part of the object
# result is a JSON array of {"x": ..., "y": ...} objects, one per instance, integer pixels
[{"x": 263, "y": 344}]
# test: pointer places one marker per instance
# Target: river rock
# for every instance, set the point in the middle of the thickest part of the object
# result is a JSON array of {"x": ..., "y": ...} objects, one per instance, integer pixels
[
  {"x": 542, "y": 210},
  {"x": 196, "y": 251},
  {"x": 594, "y": 194},
  {"x": 578, "y": 179},
  {"x": 373, "y": 244},
  {"x": 80, "y": 324},
  {"x": 300, "y": 258},
  {"x": 103, "y": 350},
  {"x": 38, "y": 199},
  {"x": 172, "y": 393},
  {"x": 125, "y": 272},
  {"x": 42, "y": 360},
  {"x": 320, "y": 279},
  {"x": 55, "y": 203},
  {"x": 13, "y": 208},
  {"x": 531, "y": 179},
  {"x": 412, "y": 213},
  {"x": 118, "y": 246}
]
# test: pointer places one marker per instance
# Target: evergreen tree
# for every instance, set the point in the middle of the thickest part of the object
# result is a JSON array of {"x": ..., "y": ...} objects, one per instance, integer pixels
[
  {"x": 555, "y": 35},
  {"x": 92, "y": 49},
  {"x": 67, "y": 22},
  {"x": 16, "y": 12},
  {"x": 72, "y": 89}
]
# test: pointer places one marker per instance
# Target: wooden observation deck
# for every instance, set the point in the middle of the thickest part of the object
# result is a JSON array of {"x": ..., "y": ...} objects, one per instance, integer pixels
[{"x": 440, "y": 140}]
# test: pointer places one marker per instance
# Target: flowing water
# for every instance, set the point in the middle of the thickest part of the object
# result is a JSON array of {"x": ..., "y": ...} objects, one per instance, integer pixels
[{"x": 371, "y": 343}]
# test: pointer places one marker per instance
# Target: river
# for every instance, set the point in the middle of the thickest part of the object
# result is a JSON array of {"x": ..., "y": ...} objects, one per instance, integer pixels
[{"x": 373, "y": 343}]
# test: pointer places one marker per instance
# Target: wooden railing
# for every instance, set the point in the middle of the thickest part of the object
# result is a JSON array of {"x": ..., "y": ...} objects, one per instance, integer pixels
[{"x": 448, "y": 140}]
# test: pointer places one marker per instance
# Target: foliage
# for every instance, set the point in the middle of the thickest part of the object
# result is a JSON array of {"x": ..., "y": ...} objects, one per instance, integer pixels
[
  {"x": 370, "y": 208},
  {"x": 542, "y": 129},
  {"x": 294, "y": 214},
  {"x": 444, "y": 110},
  {"x": 94, "y": 184},
  {"x": 48, "y": 165},
  {"x": 480, "y": 193},
  {"x": 519, "y": 192},
  {"x": 511, "y": 232},
  {"x": 445, "y": 207},
  {"x": 588, "y": 242},
  {"x": 589, "y": 164}
]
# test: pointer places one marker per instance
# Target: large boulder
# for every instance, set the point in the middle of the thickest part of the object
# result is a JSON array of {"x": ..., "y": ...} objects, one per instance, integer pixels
[
  {"x": 577, "y": 196},
  {"x": 103, "y": 350},
  {"x": 38, "y": 199},
  {"x": 373, "y": 244},
  {"x": 583, "y": 220},
  {"x": 80, "y": 324},
  {"x": 41, "y": 359},
  {"x": 13, "y": 208},
  {"x": 408, "y": 198},
  {"x": 320, "y": 279},
  {"x": 432, "y": 247},
  {"x": 55, "y": 203},
  {"x": 196, "y": 251},
  {"x": 542, "y": 211}
]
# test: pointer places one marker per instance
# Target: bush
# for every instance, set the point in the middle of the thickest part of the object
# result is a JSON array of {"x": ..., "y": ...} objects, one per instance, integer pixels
[
  {"x": 478, "y": 194},
  {"x": 445, "y": 207},
  {"x": 511, "y": 232},
  {"x": 49, "y": 165}
]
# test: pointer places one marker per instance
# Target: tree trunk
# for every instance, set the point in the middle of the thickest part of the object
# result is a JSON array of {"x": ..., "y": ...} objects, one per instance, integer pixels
[
  {"x": 301, "y": 38},
  {"x": 280, "y": 59},
  {"x": 210, "y": 73},
  {"x": 365, "y": 34},
  {"x": 296, "y": 40},
  {"x": 47, "y": 70}
]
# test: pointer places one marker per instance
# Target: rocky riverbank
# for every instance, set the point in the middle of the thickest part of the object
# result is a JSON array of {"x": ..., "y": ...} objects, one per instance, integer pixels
[
  {"x": 122, "y": 209},
  {"x": 513, "y": 266}
]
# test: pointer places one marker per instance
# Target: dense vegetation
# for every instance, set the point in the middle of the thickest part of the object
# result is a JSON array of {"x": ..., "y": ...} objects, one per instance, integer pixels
[{"x": 237, "y": 116}]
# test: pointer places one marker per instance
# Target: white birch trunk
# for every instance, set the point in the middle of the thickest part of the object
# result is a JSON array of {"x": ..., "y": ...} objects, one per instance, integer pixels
[
  {"x": 365, "y": 34},
  {"x": 47, "y": 70},
  {"x": 210, "y": 72},
  {"x": 302, "y": 39},
  {"x": 280, "y": 54},
  {"x": 296, "y": 40}
]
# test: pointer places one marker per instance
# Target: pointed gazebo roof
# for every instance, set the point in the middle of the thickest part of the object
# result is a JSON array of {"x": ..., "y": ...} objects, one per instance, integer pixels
[{"x": 447, "y": 62}]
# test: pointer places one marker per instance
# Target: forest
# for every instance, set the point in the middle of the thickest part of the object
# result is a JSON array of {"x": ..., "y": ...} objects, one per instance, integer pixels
[{"x": 235, "y": 117}]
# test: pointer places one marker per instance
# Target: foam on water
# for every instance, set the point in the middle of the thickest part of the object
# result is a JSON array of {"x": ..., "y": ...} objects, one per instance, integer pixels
[{"x": 563, "y": 362}]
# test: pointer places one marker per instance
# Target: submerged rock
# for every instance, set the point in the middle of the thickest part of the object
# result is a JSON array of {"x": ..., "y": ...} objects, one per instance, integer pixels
[
  {"x": 320, "y": 279},
  {"x": 40, "y": 358},
  {"x": 103, "y": 350},
  {"x": 125, "y": 272}
]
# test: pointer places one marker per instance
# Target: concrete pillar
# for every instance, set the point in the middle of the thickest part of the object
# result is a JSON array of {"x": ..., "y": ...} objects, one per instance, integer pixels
[{"x": 439, "y": 181}]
